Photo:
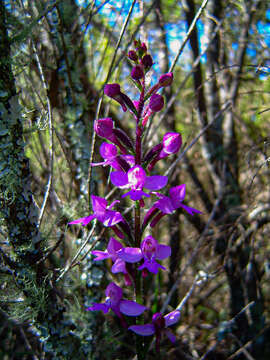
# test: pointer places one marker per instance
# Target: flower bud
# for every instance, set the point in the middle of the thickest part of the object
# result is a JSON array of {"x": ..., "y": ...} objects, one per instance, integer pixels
[
  {"x": 132, "y": 55},
  {"x": 171, "y": 143},
  {"x": 143, "y": 47},
  {"x": 112, "y": 90},
  {"x": 147, "y": 61},
  {"x": 104, "y": 128},
  {"x": 156, "y": 102},
  {"x": 165, "y": 80},
  {"x": 137, "y": 72}
]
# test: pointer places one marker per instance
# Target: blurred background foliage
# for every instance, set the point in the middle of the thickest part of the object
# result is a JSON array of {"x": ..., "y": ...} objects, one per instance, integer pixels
[{"x": 56, "y": 57}]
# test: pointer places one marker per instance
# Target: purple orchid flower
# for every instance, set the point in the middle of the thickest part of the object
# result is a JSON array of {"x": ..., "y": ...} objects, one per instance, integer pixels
[
  {"x": 158, "y": 327},
  {"x": 101, "y": 212},
  {"x": 136, "y": 179},
  {"x": 150, "y": 251},
  {"x": 167, "y": 204},
  {"x": 112, "y": 252},
  {"x": 170, "y": 145},
  {"x": 114, "y": 301},
  {"x": 111, "y": 157}
]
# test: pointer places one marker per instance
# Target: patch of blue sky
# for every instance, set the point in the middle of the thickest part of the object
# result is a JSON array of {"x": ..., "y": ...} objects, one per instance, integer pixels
[
  {"x": 264, "y": 29},
  {"x": 113, "y": 8},
  {"x": 176, "y": 34},
  {"x": 202, "y": 40}
]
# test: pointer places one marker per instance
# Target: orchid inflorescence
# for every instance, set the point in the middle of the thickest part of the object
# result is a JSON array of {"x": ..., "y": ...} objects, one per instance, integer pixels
[{"x": 132, "y": 171}]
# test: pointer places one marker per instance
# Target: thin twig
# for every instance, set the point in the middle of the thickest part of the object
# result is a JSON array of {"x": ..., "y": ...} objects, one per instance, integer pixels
[
  {"x": 188, "y": 35},
  {"x": 199, "y": 280},
  {"x": 70, "y": 265},
  {"x": 229, "y": 324},
  {"x": 51, "y": 142}
]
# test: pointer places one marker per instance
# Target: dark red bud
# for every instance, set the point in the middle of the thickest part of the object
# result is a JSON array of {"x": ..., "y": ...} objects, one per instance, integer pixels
[
  {"x": 156, "y": 102},
  {"x": 147, "y": 61},
  {"x": 112, "y": 90},
  {"x": 165, "y": 79},
  {"x": 137, "y": 72},
  {"x": 104, "y": 127},
  {"x": 143, "y": 47},
  {"x": 133, "y": 55}
]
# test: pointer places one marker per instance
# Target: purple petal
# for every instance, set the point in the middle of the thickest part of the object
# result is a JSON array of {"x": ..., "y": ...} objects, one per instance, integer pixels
[
  {"x": 114, "y": 292},
  {"x": 100, "y": 255},
  {"x": 130, "y": 254},
  {"x": 172, "y": 318},
  {"x": 104, "y": 163},
  {"x": 190, "y": 210},
  {"x": 108, "y": 151},
  {"x": 129, "y": 159},
  {"x": 136, "y": 177},
  {"x": 178, "y": 193},
  {"x": 84, "y": 221},
  {"x": 119, "y": 178},
  {"x": 163, "y": 251},
  {"x": 99, "y": 307},
  {"x": 131, "y": 308},
  {"x": 113, "y": 204},
  {"x": 165, "y": 205},
  {"x": 135, "y": 194},
  {"x": 111, "y": 218},
  {"x": 114, "y": 164},
  {"x": 144, "y": 330},
  {"x": 156, "y": 182},
  {"x": 152, "y": 266},
  {"x": 99, "y": 205},
  {"x": 170, "y": 336},
  {"x": 113, "y": 246},
  {"x": 119, "y": 266},
  {"x": 156, "y": 219}
]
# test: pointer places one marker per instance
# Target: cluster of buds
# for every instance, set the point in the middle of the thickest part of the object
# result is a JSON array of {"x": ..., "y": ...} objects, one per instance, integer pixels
[{"x": 132, "y": 167}]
